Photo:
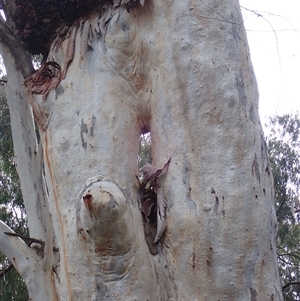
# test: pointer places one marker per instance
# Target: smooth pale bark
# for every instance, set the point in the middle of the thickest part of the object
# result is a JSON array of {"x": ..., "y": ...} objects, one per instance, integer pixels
[
  {"x": 181, "y": 70},
  {"x": 28, "y": 160},
  {"x": 28, "y": 264}
]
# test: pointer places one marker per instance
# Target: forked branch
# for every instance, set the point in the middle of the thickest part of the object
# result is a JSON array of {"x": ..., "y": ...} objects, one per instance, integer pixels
[
  {"x": 27, "y": 263},
  {"x": 16, "y": 250},
  {"x": 290, "y": 283}
]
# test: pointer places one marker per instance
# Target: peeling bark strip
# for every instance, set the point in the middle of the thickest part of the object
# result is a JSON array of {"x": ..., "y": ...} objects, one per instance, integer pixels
[
  {"x": 45, "y": 79},
  {"x": 150, "y": 172},
  {"x": 152, "y": 204},
  {"x": 51, "y": 73}
]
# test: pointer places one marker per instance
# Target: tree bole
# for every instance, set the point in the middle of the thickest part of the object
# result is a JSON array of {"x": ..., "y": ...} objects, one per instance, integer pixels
[{"x": 182, "y": 71}]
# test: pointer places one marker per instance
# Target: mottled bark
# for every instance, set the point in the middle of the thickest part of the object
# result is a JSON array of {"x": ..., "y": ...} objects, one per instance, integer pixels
[{"x": 181, "y": 70}]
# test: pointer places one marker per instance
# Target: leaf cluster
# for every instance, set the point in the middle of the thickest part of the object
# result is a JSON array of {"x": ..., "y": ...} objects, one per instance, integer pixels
[{"x": 144, "y": 155}]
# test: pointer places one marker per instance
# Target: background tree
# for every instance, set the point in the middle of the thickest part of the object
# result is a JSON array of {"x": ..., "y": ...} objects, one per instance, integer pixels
[
  {"x": 144, "y": 155},
  {"x": 111, "y": 71},
  {"x": 283, "y": 147},
  {"x": 12, "y": 210}
]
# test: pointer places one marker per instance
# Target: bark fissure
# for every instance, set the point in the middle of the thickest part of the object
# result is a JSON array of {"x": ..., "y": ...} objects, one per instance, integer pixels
[{"x": 63, "y": 253}]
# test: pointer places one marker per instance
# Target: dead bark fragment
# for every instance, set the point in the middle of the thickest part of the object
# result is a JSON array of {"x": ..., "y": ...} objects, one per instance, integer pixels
[
  {"x": 45, "y": 79},
  {"x": 152, "y": 204},
  {"x": 150, "y": 172},
  {"x": 161, "y": 215}
]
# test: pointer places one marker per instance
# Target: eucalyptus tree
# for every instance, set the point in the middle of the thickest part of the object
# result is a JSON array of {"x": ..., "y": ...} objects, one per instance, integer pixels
[
  {"x": 12, "y": 210},
  {"x": 200, "y": 225},
  {"x": 283, "y": 148}
]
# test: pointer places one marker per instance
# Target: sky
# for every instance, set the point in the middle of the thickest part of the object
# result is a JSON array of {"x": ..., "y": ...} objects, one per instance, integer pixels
[{"x": 274, "y": 41}]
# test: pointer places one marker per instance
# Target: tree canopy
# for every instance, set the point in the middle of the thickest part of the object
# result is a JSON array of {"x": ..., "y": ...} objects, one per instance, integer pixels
[{"x": 37, "y": 21}]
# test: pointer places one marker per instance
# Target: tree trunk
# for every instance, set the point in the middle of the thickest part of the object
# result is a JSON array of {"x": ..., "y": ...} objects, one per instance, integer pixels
[{"x": 182, "y": 71}]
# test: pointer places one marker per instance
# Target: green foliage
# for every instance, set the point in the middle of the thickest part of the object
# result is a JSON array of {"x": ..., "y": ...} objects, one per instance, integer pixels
[
  {"x": 12, "y": 286},
  {"x": 10, "y": 193},
  {"x": 283, "y": 148},
  {"x": 12, "y": 210},
  {"x": 144, "y": 155}
]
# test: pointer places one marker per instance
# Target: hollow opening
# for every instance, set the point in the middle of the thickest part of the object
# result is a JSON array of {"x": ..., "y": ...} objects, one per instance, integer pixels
[
  {"x": 144, "y": 154},
  {"x": 150, "y": 198},
  {"x": 147, "y": 198}
]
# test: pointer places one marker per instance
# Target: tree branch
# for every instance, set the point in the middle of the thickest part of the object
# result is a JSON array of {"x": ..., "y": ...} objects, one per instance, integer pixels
[
  {"x": 6, "y": 270},
  {"x": 39, "y": 282},
  {"x": 22, "y": 59},
  {"x": 9, "y": 8},
  {"x": 18, "y": 253},
  {"x": 293, "y": 254},
  {"x": 29, "y": 160},
  {"x": 284, "y": 261},
  {"x": 30, "y": 240},
  {"x": 290, "y": 283}
]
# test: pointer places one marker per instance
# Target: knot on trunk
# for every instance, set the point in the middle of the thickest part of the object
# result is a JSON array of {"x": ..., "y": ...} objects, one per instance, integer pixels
[{"x": 105, "y": 219}]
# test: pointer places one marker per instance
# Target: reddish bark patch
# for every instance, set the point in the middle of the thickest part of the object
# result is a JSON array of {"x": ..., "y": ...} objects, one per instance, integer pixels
[
  {"x": 45, "y": 79},
  {"x": 88, "y": 202}
]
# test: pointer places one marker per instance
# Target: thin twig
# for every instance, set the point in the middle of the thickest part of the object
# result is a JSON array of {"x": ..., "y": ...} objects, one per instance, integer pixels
[
  {"x": 273, "y": 29},
  {"x": 224, "y": 19},
  {"x": 290, "y": 283},
  {"x": 6, "y": 270},
  {"x": 293, "y": 254}
]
